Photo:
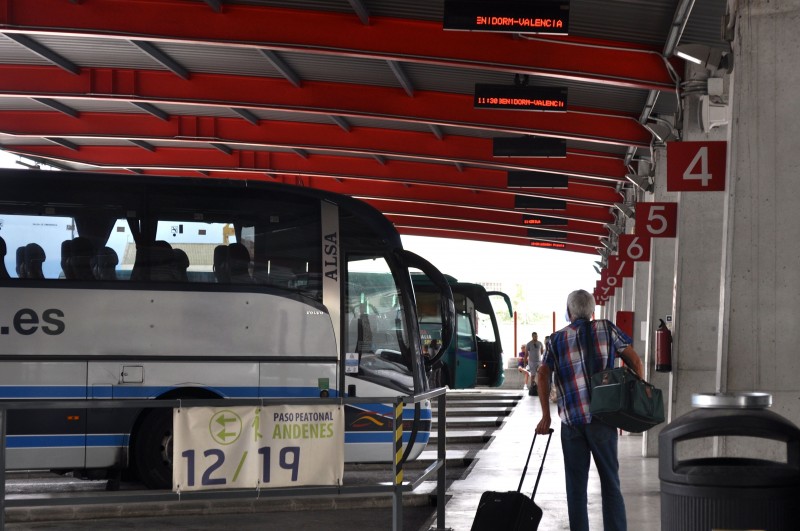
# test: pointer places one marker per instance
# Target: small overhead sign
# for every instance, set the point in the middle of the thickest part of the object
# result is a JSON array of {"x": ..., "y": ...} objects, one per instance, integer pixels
[
  {"x": 543, "y": 221},
  {"x": 536, "y": 179},
  {"x": 657, "y": 220},
  {"x": 509, "y": 16},
  {"x": 520, "y": 97},
  {"x": 544, "y": 233},
  {"x": 529, "y": 146},
  {"x": 523, "y": 202},
  {"x": 548, "y": 245}
]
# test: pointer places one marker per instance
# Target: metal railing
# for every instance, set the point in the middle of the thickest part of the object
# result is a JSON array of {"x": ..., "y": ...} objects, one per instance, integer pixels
[{"x": 395, "y": 489}]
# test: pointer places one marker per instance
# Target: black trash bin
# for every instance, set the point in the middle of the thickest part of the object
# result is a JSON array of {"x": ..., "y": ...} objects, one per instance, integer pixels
[{"x": 729, "y": 492}]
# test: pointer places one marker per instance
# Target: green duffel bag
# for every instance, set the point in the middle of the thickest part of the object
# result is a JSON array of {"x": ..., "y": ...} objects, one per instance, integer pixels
[{"x": 623, "y": 400}]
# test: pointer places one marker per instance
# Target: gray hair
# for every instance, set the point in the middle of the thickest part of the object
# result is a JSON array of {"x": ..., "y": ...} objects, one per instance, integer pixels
[{"x": 580, "y": 305}]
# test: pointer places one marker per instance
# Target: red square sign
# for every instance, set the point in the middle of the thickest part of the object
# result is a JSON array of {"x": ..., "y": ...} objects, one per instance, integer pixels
[{"x": 696, "y": 166}]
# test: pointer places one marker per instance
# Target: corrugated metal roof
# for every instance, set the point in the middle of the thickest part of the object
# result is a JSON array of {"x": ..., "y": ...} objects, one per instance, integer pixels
[{"x": 611, "y": 106}]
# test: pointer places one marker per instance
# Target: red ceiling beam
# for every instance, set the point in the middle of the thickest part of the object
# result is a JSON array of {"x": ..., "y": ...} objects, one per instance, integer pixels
[
  {"x": 460, "y": 196},
  {"x": 483, "y": 225},
  {"x": 357, "y": 172},
  {"x": 494, "y": 238},
  {"x": 465, "y": 213},
  {"x": 323, "y": 32},
  {"x": 486, "y": 229},
  {"x": 319, "y": 98},
  {"x": 392, "y": 203},
  {"x": 407, "y": 145}
]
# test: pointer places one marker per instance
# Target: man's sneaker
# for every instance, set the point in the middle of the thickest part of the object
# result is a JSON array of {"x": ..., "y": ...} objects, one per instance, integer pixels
[{"x": 525, "y": 387}]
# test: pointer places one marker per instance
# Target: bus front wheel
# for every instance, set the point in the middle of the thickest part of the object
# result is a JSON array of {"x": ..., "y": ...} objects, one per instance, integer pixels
[{"x": 152, "y": 449}]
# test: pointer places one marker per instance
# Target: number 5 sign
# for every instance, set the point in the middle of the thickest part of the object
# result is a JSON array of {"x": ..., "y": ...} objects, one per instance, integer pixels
[
  {"x": 696, "y": 166},
  {"x": 657, "y": 220}
]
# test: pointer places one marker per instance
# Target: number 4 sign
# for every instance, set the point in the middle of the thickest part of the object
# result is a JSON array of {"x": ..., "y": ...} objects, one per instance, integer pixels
[{"x": 696, "y": 166}]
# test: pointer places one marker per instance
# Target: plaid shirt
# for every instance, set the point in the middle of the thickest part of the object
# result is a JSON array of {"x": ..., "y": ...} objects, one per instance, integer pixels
[{"x": 564, "y": 357}]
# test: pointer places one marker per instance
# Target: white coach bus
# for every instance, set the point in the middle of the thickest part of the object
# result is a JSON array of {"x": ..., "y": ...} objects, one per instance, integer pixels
[{"x": 134, "y": 287}]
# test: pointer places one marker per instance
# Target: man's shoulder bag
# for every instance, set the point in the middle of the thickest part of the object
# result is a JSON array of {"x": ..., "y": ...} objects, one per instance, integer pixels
[{"x": 620, "y": 398}]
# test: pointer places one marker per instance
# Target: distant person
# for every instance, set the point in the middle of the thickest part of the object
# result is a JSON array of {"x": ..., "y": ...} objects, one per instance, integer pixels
[
  {"x": 582, "y": 436},
  {"x": 522, "y": 364},
  {"x": 535, "y": 350}
]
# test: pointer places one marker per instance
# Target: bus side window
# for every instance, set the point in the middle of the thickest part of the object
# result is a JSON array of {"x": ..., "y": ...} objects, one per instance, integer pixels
[{"x": 3, "y": 250}]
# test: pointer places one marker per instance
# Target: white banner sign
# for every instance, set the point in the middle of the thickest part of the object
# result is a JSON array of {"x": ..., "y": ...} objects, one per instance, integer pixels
[{"x": 251, "y": 447}]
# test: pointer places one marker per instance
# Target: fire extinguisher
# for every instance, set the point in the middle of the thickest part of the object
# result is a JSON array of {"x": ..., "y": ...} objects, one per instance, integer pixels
[{"x": 663, "y": 348}]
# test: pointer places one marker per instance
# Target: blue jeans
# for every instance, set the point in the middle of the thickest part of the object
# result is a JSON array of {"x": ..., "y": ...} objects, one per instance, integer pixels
[{"x": 600, "y": 441}]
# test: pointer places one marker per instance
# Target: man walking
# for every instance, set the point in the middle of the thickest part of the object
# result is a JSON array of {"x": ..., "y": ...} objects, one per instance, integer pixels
[
  {"x": 581, "y": 435},
  {"x": 535, "y": 350}
]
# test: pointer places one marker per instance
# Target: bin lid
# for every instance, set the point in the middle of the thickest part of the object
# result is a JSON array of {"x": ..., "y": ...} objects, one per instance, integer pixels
[{"x": 744, "y": 400}]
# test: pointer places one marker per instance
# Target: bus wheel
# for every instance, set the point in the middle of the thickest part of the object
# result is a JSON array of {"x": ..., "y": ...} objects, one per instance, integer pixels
[{"x": 152, "y": 449}]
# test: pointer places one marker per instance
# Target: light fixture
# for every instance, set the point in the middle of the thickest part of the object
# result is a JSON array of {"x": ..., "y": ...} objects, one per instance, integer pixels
[
  {"x": 603, "y": 253},
  {"x": 711, "y": 57},
  {"x": 601, "y": 264},
  {"x": 626, "y": 209},
  {"x": 608, "y": 245},
  {"x": 643, "y": 182},
  {"x": 597, "y": 269},
  {"x": 613, "y": 229}
]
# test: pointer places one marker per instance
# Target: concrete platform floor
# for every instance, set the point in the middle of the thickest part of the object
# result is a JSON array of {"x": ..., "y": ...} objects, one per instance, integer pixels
[{"x": 499, "y": 466}]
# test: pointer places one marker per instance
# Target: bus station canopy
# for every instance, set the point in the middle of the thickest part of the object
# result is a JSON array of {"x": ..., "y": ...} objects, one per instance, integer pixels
[{"x": 371, "y": 98}]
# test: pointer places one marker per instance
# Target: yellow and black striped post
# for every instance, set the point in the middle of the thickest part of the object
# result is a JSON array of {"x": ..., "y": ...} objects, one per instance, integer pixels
[{"x": 398, "y": 443}]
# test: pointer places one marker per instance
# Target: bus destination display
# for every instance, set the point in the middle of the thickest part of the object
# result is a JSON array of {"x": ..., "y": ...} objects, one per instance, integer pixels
[
  {"x": 520, "y": 98},
  {"x": 511, "y": 16}
]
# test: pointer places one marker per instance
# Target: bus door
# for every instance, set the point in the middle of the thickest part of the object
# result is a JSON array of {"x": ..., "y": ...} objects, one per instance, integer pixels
[{"x": 464, "y": 362}]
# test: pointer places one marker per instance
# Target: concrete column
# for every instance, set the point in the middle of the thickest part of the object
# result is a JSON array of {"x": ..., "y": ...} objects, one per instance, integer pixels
[
  {"x": 661, "y": 274},
  {"x": 759, "y": 343},
  {"x": 696, "y": 306}
]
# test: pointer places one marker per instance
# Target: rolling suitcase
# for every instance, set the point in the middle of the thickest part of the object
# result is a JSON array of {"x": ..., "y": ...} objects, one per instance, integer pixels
[{"x": 511, "y": 511}]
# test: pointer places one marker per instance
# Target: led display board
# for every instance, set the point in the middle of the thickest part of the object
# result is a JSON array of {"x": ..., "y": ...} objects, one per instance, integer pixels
[
  {"x": 536, "y": 179},
  {"x": 525, "y": 202},
  {"x": 520, "y": 97},
  {"x": 550, "y": 245},
  {"x": 529, "y": 146},
  {"x": 542, "y": 233},
  {"x": 543, "y": 221},
  {"x": 510, "y": 16}
]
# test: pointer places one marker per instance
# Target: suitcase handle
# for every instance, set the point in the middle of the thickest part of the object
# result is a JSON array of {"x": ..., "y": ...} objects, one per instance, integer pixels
[{"x": 530, "y": 452}]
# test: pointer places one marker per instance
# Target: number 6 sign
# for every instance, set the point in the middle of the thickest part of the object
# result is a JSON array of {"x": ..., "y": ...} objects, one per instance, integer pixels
[
  {"x": 634, "y": 248},
  {"x": 657, "y": 220}
]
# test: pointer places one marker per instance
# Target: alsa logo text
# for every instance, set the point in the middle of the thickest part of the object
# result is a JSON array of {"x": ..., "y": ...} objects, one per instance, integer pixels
[{"x": 27, "y": 322}]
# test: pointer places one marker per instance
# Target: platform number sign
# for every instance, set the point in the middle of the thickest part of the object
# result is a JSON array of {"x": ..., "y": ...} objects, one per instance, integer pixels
[
  {"x": 634, "y": 248},
  {"x": 619, "y": 268},
  {"x": 600, "y": 296},
  {"x": 657, "y": 220},
  {"x": 696, "y": 166}
]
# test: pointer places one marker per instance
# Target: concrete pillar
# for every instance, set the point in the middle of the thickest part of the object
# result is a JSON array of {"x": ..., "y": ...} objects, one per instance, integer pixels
[
  {"x": 696, "y": 305},
  {"x": 661, "y": 274},
  {"x": 759, "y": 344}
]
